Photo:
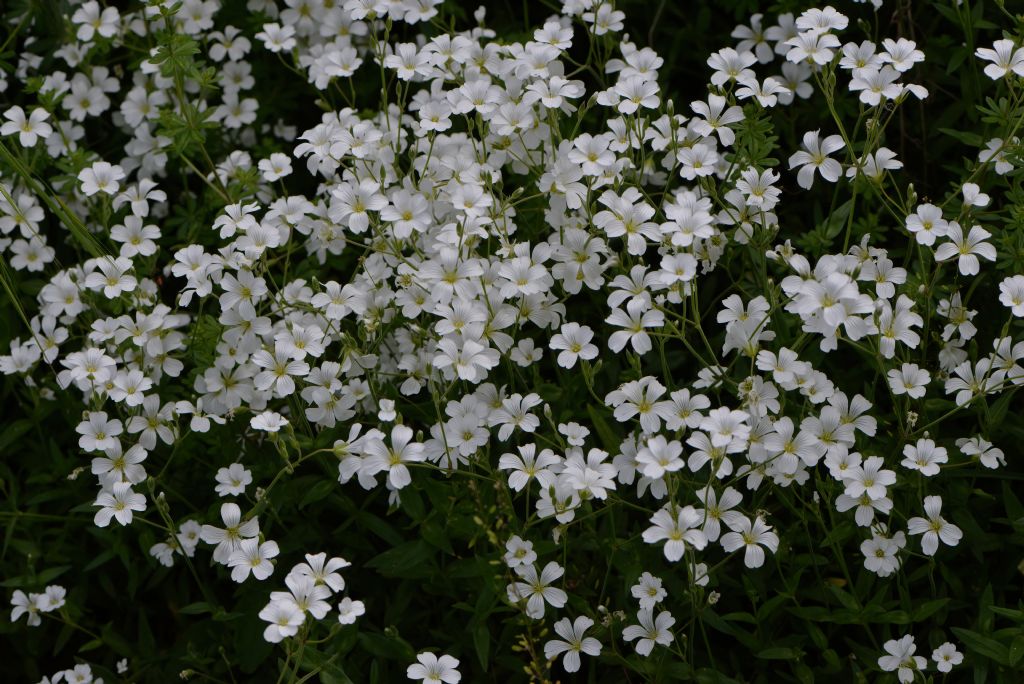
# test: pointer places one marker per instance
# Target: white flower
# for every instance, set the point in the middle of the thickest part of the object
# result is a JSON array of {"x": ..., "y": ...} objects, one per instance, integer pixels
[
  {"x": 752, "y": 536},
  {"x": 811, "y": 46},
  {"x": 967, "y": 249},
  {"x": 380, "y": 458},
  {"x": 640, "y": 398},
  {"x": 349, "y": 610},
  {"x": 323, "y": 570},
  {"x": 909, "y": 379},
  {"x": 52, "y": 598},
  {"x": 29, "y": 129},
  {"x": 574, "y": 642},
  {"x": 233, "y": 480},
  {"x": 927, "y": 224},
  {"x": 277, "y": 166},
  {"x": 268, "y": 421},
  {"x": 101, "y": 177},
  {"x": 925, "y": 457},
  {"x": 98, "y": 433},
  {"x": 471, "y": 361},
  {"x": 648, "y": 591},
  {"x": 946, "y": 656},
  {"x": 284, "y": 617},
  {"x": 995, "y": 151},
  {"x": 1011, "y": 294},
  {"x": 279, "y": 367},
  {"x": 519, "y": 552},
  {"x": 118, "y": 502},
  {"x": 386, "y": 410},
  {"x": 251, "y": 556},
  {"x": 433, "y": 670},
  {"x": 650, "y": 631},
  {"x": 901, "y": 53},
  {"x": 934, "y": 527},
  {"x": 537, "y": 589},
  {"x": 135, "y": 238},
  {"x": 678, "y": 529},
  {"x": 26, "y": 604},
  {"x": 982, "y": 450},
  {"x": 234, "y": 531},
  {"x": 814, "y": 157},
  {"x": 92, "y": 20},
  {"x": 112, "y": 277},
  {"x": 817, "y": 20},
  {"x": 880, "y": 553},
  {"x": 529, "y": 465},
  {"x": 974, "y": 197},
  {"x": 730, "y": 65},
  {"x": 277, "y": 38},
  {"x": 573, "y": 341},
  {"x": 869, "y": 478},
  {"x": 659, "y": 456},
  {"x": 1004, "y": 58},
  {"x": 116, "y": 466},
  {"x": 876, "y": 85},
  {"x": 900, "y": 658}
]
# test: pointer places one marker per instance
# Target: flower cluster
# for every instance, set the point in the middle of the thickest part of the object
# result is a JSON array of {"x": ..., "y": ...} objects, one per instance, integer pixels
[{"x": 556, "y": 280}]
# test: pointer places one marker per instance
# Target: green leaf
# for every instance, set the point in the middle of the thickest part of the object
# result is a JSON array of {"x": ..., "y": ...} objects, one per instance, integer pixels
[
  {"x": 709, "y": 676},
  {"x": 812, "y": 613},
  {"x": 608, "y": 439},
  {"x": 196, "y": 608},
  {"x": 386, "y": 647},
  {"x": 1008, "y": 612},
  {"x": 13, "y": 431},
  {"x": 1016, "y": 650},
  {"x": 117, "y": 643},
  {"x": 972, "y": 139},
  {"x": 90, "y": 645},
  {"x": 318, "y": 492},
  {"x": 804, "y": 673},
  {"x": 56, "y": 205},
  {"x": 1014, "y": 508},
  {"x": 42, "y": 578},
  {"x": 410, "y": 560},
  {"x": 433, "y": 532},
  {"x": 482, "y": 644},
  {"x": 848, "y": 601},
  {"x": 50, "y": 574},
  {"x": 221, "y": 615},
  {"x": 769, "y": 607},
  {"x": 780, "y": 653},
  {"x": 412, "y": 502},
  {"x": 377, "y": 525},
  {"x": 983, "y": 645},
  {"x": 929, "y": 608},
  {"x": 329, "y": 669},
  {"x": 997, "y": 411},
  {"x": 99, "y": 560},
  {"x": 740, "y": 617},
  {"x": 892, "y": 617}
]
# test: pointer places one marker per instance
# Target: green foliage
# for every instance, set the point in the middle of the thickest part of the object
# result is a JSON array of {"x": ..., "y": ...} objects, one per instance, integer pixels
[{"x": 429, "y": 566}]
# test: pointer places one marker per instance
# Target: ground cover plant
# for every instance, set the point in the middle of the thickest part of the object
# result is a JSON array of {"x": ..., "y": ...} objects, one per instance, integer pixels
[{"x": 391, "y": 340}]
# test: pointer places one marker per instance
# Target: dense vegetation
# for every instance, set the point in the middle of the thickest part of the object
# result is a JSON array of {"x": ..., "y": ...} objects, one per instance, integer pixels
[{"x": 364, "y": 340}]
